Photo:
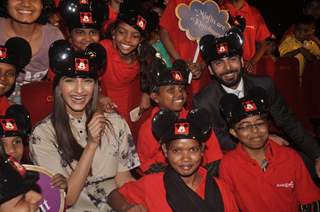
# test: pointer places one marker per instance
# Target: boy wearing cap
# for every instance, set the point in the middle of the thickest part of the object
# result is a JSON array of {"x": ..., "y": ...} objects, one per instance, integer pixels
[
  {"x": 223, "y": 55},
  {"x": 167, "y": 89},
  {"x": 15, "y": 54},
  {"x": 184, "y": 185},
  {"x": 263, "y": 175},
  {"x": 18, "y": 191}
]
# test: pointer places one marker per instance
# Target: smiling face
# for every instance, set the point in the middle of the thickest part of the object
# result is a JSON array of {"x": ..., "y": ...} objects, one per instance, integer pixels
[
  {"x": 227, "y": 70},
  {"x": 82, "y": 38},
  {"x": 76, "y": 93},
  {"x": 25, "y": 11},
  {"x": 184, "y": 156},
  {"x": 252, "y": 132},
  {"x": 13, "y": 146},
  {"x": 126, "y": 38},
  {"x": 7, "y": 77},
  {"x": 171, "y": 97}
]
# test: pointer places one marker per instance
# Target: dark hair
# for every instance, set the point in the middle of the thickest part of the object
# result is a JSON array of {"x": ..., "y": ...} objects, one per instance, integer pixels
[
  {"x": 67, "y": 144},
  {"x": 306, "y": 19}
]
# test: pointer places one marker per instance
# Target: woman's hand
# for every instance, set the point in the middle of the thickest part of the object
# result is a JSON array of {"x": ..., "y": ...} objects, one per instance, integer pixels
[
  {"x": 96, "y": 127},
  {"x": 196, "y": 70},
  {"x": 144, "y": 103},
  {"x": 59, "y": 181},
  {"x": 136, "y": 208},
  {"x": 105, "y": 104}
]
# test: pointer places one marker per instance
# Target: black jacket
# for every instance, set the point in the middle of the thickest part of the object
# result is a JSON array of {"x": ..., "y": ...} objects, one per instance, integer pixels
[{"x": 209, "y": 98}]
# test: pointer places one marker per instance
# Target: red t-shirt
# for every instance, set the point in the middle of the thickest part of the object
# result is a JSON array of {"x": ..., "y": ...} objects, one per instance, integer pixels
[
  {"x": 285, "y": 183},
  {"x": 150, "y": 192},
  {"x": 4, "y": 104},
  {"x": 120, "y": 81},
  {"x": 149, "y": 150},
  {"x": 256, "y": 30},
  {"x": 185, "y": 47}
]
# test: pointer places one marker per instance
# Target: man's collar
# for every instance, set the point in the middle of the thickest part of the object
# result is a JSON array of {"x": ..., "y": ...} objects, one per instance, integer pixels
[{"x": 239, "y": 89}]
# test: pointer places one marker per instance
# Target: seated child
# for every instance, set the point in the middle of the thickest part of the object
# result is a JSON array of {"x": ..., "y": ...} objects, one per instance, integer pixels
[
  {"x": 15, "y": 54},
  {"x": 302, "y": 44},
  {"x": 184, "y": 185},
  {"x": 263, "y": 175},
  {"x": 18, "y": 190},
  {"x": 15, "y": 126},
  {"x": 167, "y": 88}
]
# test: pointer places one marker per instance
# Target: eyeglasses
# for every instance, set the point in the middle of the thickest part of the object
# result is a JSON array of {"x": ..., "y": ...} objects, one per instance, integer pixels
[{"x": 248, "y": 127}]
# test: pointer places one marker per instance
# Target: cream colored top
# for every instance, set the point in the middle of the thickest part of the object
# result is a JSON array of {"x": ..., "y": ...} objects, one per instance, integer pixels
[{"x": 116, "y": 153}]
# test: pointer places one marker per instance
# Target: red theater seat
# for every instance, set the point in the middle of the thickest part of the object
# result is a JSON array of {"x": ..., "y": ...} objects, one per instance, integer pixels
[
  {"x": 286, "y": 77},
  {"x": 37, "y": 97}
]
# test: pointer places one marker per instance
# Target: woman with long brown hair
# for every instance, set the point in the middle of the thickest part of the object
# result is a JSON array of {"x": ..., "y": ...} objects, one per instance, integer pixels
[{"x": 94, "y": 150}]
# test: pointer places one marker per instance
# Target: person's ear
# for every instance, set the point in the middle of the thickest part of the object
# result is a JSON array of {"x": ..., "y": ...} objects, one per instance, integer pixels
[
  {"x": 242, "y": 62},
  {"x": 210, "y": 70},
  {"x": 233, "y": 132},
  {"x": 165, "y": 150},
  {"x": 155, "y": 97}
]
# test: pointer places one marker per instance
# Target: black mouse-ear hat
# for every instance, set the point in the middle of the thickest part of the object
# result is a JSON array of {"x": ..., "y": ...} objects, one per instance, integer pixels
[
  {"x": 167, "y": 126},
  {"x": 16, "y": 51},
  {"x": 65, "y": 61}
]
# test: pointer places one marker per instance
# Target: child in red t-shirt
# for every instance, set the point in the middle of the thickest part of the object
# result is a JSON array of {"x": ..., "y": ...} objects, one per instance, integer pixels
[
  {"x": 167, "y": 89},
  {"x": 263, "y": 175},
  {"x": 184, "y": 185},
  {"x": 15, "y": 54}
]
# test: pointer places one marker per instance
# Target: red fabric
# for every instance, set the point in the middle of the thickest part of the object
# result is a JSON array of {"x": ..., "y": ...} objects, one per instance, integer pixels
[
  {"x": 185, "y": 47},
  {"x": 284, "y": 184},
  {"x": 4, "y": 104},
  {"x": 256, "y": 29},
  {"x": 44, "y": 99},
  {"x": 112, "y": 17},
  {"x": 150, "y": 192},
  {"x": 120, "y": 81},
  {"x": 150, "y": 152}
]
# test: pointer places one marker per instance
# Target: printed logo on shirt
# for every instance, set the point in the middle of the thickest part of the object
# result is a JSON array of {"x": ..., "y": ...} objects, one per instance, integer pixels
[
  {"x": 249, "y": 106},
  {"x": 222, "y": 48},
  {"x": 3, "y": 53},
  {"x": 82, "y": 64},
  {"x": 181, "y": 128},
  {"x": 285, "y": 185},
  {"x": 84, "y": 1},
  {"x": 141, "y": 22},
  {"x": 86, "y": 18},
  {"x": 8, "y": 125},
  {"x": 176, "y": 75}
]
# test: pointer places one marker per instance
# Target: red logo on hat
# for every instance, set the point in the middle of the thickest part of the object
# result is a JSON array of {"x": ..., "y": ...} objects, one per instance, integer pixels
[
  {"x": 222, "y": 48},
  {"x": 86, "y": 18},
  {"x": 83, "y": 1},
  {"x": 3, "y": 52},
  {"x": 177, "y": 76},
  {"x": 82, "y": 64},
  {"x": 181, "y": 128},
  {"x": 249, "y": 106},
  {"x": 17, "y": 166},
  {"x": 141, "y": 22},
  {"x": 9, "y": 125}
]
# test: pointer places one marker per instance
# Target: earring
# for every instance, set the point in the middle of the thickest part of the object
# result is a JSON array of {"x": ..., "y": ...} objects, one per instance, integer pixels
[{"x": 139, "y": 49}]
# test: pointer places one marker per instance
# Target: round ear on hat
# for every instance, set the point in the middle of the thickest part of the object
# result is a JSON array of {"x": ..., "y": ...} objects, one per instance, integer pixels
[
  {"x": 226, "y": 105},
  {"x": 261, "y": 98},
  {"x": 236, "y": 37},
  {"x": 69, "y": 10},
  {"x": 61, "y": 56},
  {"x": 97, "y": 55},
  {"x": 20, "y": 50},
  {"x": 22, "y": 117},
  {"x": 200, "y": 121},
  {"x": 206, "y": 44},
  {"x": 162, "y": 122}
]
